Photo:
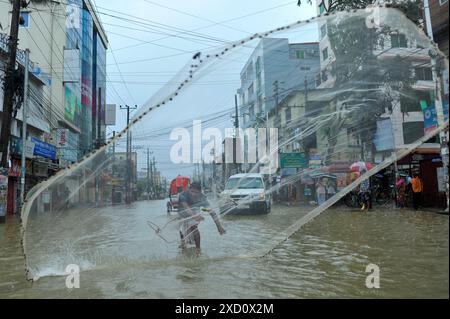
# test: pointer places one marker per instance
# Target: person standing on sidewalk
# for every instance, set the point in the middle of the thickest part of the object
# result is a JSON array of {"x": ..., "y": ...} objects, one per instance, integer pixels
[
  {"x": 417, "y": 188},
  {"x": 331, "y": 189},
  {"x": 321, "y": 192}
]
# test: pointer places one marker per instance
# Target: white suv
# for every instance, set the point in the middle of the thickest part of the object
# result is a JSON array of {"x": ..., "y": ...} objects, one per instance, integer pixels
[{"x": 245, "y": 192}]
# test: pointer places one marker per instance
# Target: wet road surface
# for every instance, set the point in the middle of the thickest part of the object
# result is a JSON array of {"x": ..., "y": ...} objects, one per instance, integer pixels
[{"x": 121, "y": 257}]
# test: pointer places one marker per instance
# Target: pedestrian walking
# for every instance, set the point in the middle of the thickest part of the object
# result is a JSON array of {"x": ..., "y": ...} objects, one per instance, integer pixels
[
  {"x": 417, "y": 188},
  {"x": 364, "y": 193},
  {"x": 401, "y": 192}
]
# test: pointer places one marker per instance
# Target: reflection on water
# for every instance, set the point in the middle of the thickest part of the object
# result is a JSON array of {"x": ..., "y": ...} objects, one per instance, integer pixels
[{"x": 327, "y": 258}]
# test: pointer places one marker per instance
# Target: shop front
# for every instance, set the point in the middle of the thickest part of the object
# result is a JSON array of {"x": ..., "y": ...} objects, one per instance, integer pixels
[{"x": 427, "y": 162}]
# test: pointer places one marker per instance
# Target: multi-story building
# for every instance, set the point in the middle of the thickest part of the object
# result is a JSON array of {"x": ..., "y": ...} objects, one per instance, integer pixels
[
  {"x": 412, "y": 115},
  {"x": 275, "y": 67},
  {"x": 439, "y": 22},
  {"x": 37, "y": 125},
  {"x": 68, "y": 44},
  {"x": 67, "y": 88}
]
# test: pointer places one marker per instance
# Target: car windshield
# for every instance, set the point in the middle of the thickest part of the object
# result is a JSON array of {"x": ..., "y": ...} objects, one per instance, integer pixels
[{"x": 244, "y": 183}]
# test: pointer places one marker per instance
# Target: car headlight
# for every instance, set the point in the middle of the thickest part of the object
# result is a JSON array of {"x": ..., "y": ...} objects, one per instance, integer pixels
[{"x": 262, "y": 196}]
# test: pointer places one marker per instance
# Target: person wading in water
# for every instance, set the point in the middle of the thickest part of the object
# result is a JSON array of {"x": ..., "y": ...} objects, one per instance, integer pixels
[{"x": 191, "y": 203}]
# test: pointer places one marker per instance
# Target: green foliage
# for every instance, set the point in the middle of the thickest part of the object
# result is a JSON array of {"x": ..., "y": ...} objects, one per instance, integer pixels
[{"x": 411, "y": 8}]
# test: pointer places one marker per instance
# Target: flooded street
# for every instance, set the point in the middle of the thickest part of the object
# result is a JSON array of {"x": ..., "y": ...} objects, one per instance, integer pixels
[{"x": 124, "y": 258}]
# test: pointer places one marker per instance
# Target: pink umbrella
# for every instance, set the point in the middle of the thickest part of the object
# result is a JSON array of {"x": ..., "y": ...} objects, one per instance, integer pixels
[{"x": 359, "y": 166}]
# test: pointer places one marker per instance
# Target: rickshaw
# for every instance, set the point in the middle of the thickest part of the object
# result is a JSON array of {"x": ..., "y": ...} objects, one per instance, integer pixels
[{"x": 177, "y": 185}]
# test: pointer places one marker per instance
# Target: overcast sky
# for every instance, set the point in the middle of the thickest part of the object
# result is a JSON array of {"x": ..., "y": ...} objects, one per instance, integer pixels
[{"x": 147, "y": 46}]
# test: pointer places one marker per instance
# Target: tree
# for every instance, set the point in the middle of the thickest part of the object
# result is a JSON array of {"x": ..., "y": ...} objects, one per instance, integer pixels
[
  {"x": 411, "y": 8},
  {"x": 365, "y": 85}
]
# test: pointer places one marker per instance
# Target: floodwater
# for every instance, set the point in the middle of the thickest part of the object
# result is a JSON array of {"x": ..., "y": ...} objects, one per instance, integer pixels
[{"x": 121, "y": 257}]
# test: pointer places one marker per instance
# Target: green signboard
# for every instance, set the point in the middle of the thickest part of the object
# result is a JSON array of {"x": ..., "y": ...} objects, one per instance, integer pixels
[{"x": 293, "y": 160}]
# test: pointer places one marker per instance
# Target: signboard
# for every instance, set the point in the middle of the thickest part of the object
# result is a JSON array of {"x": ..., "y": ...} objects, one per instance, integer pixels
[
  {"x": 3, "y": 191},
  {"x": 15, "y": 169},
  {"x": 445, "y": 108},
  {"x": 67, "y": 143},
  {"x": 288, "y": 171},
  {"x": 384, "y": 136},
  {"x": 72, "y": 65},
  {"x": 292, "y": 160},
  {"x": 44, "y": 149},
  {"x": 315, "y": 160},
  {"x": 110, "y": 114},
  {"x": 429, "y": 119},
  {"x": 445, "y": 80},
  {"x": 72, "y": 16},
  {"x": 117, "y": 181},
  {"x": 16, "y": 147},
  {"x": 62, "y": 135},
  {"x": 40, "y": 169},
  {"x": 20, "y": 58}
]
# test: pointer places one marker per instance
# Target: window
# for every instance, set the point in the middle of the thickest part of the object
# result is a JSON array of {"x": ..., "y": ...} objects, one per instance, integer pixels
[
  {"x": 324, "y": 76},
  {"x": 260, "y": 102},
  {"x": 244, "y": 183},
  {"x": 305, "y": 68},
  {"x": 442, "y": 2},
  {"x": 25, "y": 17},
  {"x": 251, "y": 110},
  {"x": 300, "y": 54},
  {"x": 412, "y": 131},
  {"x": 243, "y": 77},
  {"x": 398, "y": 41},
  {"x": 258, "y": 65},
  {"x": 323, "y": 31},
  {"x": 258, "y": 82},
  {"x": 250, "y": 70},
  {"x": 325, "y": 54},
  {"x": 250, "y": 91},
  {"x": 318, "y": 80},
  {"x": 288, "y": 114},
  {"x": 423, "y": 74},
  {"x": 321, "y": 8},
  {"x": 411, "y": 102}
]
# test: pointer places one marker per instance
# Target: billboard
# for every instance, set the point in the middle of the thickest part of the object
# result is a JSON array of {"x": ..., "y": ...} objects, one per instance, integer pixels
[
  {"x": 110, "y": 114},
  {"x": 67, "y": 143},
  {"x": 429, "y": 119},
  {"x": 44, "y": 149},
  {"x": 293, "y": 160},
  {"x": 384, "y": 136}
]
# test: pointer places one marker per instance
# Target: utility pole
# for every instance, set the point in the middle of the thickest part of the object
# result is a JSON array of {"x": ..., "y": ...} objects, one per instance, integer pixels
[
  {"x": 275, "y": 94},
  {"x": 213, "y": 185},
  {"x": 148, "y": 174},
  {"x": 236, "y": 135},
  {"x": 152, "y": 178},
  {"x": 8, "y": 96},
  {"x": 203, "y": 175},
  {"x": 113, "y": 166},
  {"x": 128, "y": 154},
  {"x": 306, "y": 91},
  {"x": 24, "y": 128},
  {"x": 443, "y": 139}
]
